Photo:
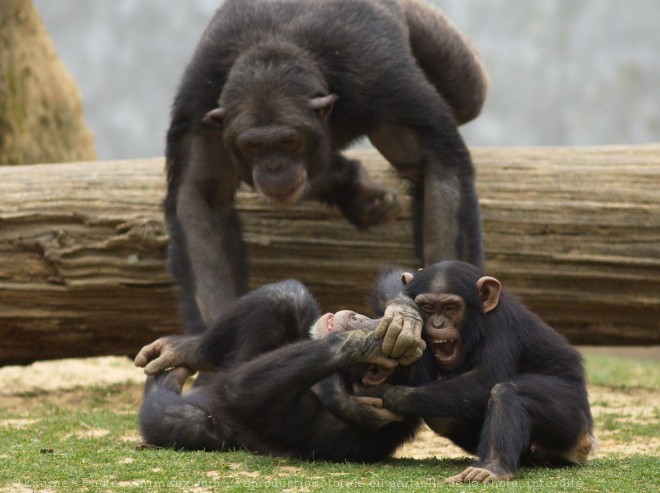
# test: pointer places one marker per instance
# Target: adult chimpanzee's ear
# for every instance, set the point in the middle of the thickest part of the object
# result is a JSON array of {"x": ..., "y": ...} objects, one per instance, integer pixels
[
  {"x": 323, "y": 105},
  {"x": 489, "y": 289},
  {"x": 406, "y": 277},
  {"x": 215, "y": 117}
]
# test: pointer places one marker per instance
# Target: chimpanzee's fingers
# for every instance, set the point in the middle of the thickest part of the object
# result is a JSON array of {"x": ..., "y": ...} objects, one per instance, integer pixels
[
  {"x": 369, "y": 401},
  {"x": 403, "y": 343},
  {"x": 147, "y": 353},
  {"x": 408, "y": 338},
  {"x": 388, "y": 416},
  {"x": 384, "y": 323},
  {"x": 411, "y": 356},
  {"x": 384, "y": 361},
  {"x": 163, "y": 362},
  {"x": 391, "y": 336}
]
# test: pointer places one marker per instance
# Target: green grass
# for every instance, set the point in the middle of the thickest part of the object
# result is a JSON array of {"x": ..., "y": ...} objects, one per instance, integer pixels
[
  {"x": 622, "y": 372},
  {"x": 85, "y": 440}
]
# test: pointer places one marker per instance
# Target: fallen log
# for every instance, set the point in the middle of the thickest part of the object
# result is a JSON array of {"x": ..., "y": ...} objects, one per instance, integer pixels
[{"x": 574, "y": 232}]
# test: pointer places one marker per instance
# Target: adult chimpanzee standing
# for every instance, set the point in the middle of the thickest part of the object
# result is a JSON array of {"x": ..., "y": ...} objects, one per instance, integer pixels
[
  {"x": 277, "y": 88},
  {"x": 509, "y": 388}
]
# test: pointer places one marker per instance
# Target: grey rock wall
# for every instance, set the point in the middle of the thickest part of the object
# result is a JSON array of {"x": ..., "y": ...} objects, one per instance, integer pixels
[{"x": 563, "y": 72}]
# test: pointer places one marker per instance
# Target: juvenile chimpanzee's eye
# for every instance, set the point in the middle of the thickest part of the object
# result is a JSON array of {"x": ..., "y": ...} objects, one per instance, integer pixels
[{"x": 426, "y": 308}]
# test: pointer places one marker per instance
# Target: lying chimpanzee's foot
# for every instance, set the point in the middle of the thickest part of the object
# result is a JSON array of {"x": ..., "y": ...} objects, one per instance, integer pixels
[{"x": 173, "y": 379}]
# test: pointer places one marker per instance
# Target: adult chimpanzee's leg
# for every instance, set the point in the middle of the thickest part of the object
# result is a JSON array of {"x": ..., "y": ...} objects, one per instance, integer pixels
[
  {"x": 539, "y": 414},
  {"x": 418, "y": 135}
]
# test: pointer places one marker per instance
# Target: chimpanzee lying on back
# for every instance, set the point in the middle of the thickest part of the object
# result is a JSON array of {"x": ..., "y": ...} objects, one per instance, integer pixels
[{"x": 264, "y": 393}]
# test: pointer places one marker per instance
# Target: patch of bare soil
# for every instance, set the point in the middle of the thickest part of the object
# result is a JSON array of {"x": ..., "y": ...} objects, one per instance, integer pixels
[{"x": 62, "y": 383}]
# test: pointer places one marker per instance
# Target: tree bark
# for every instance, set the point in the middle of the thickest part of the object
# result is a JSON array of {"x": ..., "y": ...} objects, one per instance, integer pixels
[
  {"x": 574, "y": 233},
  {"x": 41, "y": 119}
]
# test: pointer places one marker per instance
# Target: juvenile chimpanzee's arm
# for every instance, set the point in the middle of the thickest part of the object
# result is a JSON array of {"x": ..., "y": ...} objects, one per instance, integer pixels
[
  {"x": 367, "y": 412},
  {"x": 269, "y": 379},
  {"x": 401, "y": 330},
  {"x": 401, "y": 324},
  {"x": 465, "y": 396}
]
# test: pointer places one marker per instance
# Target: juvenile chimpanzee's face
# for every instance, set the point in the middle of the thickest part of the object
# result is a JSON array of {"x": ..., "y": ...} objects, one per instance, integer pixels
[
  {"x": 449, "y": 294},
  {"x": 443, "y": 314}
]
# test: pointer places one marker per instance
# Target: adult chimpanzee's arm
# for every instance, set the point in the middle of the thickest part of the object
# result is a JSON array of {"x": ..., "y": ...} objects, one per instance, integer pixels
[{"x": 207, "y": 255}]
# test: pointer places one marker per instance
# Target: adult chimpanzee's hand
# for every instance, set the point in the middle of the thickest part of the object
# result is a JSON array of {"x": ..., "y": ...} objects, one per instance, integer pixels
[
  {"x": 168, "y": 352},
  {"x": 401, "y": 331}
]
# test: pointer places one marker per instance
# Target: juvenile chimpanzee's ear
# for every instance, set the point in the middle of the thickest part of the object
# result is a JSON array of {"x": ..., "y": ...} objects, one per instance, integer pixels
[
  {"x": 215, "y": 117},
  {"x": 489, "y": 289},
  {"x": 323, "y": 105},
  {"x": 406, "y": 277}
]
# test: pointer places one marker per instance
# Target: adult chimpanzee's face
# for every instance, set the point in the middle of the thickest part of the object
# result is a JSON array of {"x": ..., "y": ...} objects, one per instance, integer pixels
[
  {"x": 276, "y": 156},
  {"x": 278, "y": 143}
]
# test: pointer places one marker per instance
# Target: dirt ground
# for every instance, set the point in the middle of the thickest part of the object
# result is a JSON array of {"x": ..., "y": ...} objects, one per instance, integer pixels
[{"x": 60, "y": 383}]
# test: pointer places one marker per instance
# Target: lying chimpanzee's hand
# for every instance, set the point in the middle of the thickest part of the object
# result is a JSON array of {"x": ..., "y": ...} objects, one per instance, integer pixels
[
  {"x": 401, "y": 331},
  {"x": 169, "y": 352}
]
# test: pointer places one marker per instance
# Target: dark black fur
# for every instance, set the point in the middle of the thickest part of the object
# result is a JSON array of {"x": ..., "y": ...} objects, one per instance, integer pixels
[
  {"x": 261, "y": 396},
  {"x": 519, "y": 392},
  {"x": 403, "y": 77}
]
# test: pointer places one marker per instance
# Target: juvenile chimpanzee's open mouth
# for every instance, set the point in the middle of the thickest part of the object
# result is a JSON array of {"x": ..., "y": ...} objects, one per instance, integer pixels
[{"x": 444, "y": 350}]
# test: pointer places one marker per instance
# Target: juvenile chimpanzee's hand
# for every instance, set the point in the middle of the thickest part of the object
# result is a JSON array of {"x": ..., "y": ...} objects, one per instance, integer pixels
[
  {"x": 372, "y": 414},
  {"x": 401, "y": 331},
  {"x": 168, "y": 352}
]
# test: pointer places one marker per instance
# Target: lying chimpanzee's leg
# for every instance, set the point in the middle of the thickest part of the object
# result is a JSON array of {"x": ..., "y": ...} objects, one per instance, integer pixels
[
  {"x": 264, "y": 319},
  {"x": 169, "y": 419}
]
